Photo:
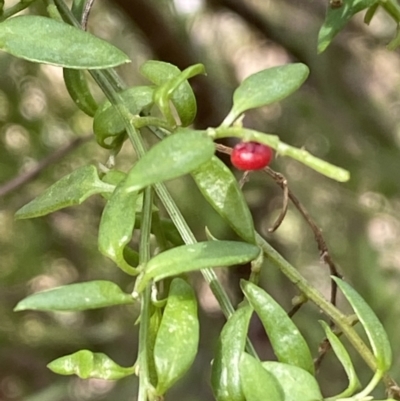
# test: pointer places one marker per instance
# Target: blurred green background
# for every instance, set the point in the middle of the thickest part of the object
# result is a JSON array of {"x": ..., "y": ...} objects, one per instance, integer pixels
[{"x": 346, "y": 113}]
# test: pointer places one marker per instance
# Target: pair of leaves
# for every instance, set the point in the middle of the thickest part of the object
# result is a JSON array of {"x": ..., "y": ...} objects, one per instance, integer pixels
[
  {"x": 176, "y": 337},
  {"x": 275, "y": 381},
  {"x": 286, "y": 340},
  {"x": 225, "y": 375},
  {"x": 237, "y": 376}
]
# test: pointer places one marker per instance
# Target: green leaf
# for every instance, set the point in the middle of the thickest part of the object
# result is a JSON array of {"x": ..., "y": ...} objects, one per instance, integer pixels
[
  {"x": 178, "y": 336},
  {"x": 88, "y": 365},
  {"x": 337, "y": 18},
  {"x": 344, "y": 358},
  {"x": 76, "y": 297},
  {"x": 71, "y": 190},
  {"x": 174, "y": 156},
  {"x": 182, "y": 98},
  {"x": 79, "y": 91},
  {"x": 116, "y": 226},
  {"x": 219, "y": 186},
  {"x": 44, "y": 40},
  {"x": 154, "y": 325},
  {"x": 373, "y": 327},
  {"x": 163, "y": 94},
  {"x": 297, "y": 383},
  {"x": 201, "y": 255},
  {"x": 266, "y": 87},
  {"x": 257, "y": 383},
  {"x": 107, "y": 121},
  {"x": 225, "y": 375},
  {"x": 287, "y": 342}
]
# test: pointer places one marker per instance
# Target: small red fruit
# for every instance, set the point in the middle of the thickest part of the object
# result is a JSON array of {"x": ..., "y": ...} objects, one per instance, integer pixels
[{"x": 251, "y": 156}]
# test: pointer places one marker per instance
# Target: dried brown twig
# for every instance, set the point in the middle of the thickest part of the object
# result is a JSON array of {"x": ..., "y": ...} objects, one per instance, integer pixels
[{"x": 29, "y": 175}]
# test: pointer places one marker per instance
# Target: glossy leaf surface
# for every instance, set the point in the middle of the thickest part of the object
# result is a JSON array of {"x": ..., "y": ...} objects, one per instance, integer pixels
[
  {"x": 373, "y": 327},
  {"x": 182, "y": 98},
  {"x": 257, "y": 383},
  {"x": 70, "y": 190},
  {"x": 79, "y": 91},
  {"x": 178, "y": 336},
  {"x": 107, "y": 120},
  {"x": 220, "y": 187},
  {"x": 76, "y": 297},
  {"x": 337, "y": 18},
  {"x": 267, "y": 87},
  {"x": 225, "y": 375},
  {"x": 116, "y": 226},
  {"x": 287, "y": 342},
  {"x": 44, "y": 40},
  {"x": 344, "y": 358},
  {"x": 201, "y": 255},
  {"x": 88, "y": 365},
  {"x": 297, "y": 384},
  {"x": 174, "y": 156}
]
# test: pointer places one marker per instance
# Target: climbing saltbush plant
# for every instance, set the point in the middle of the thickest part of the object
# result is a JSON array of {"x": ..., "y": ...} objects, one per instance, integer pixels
[{"x": 168, "y": 324}]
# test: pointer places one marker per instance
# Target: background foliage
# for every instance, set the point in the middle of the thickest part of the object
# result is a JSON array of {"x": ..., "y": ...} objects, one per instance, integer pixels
[{"x": 346, "y": 113}]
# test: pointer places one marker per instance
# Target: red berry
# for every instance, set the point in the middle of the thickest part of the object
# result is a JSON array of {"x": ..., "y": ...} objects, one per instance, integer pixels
[{"x": 251, "y": 156}]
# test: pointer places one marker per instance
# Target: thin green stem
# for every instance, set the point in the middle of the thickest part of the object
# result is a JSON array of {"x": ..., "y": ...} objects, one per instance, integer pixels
[
  {"x": 144, "y": 257},
  {"x": 9, "y": 12}
]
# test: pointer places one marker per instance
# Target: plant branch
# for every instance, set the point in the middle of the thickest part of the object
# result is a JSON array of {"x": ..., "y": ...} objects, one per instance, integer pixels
[{"x": 52, "y": 158}]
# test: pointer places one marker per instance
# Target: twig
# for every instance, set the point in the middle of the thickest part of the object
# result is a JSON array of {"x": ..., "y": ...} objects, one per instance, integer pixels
[
  {"x": 323, "y": 249},
  {"x": 285, "y": 205},
  {"x": 85, "y": 14},
  {"x": 27, "y": 176}
]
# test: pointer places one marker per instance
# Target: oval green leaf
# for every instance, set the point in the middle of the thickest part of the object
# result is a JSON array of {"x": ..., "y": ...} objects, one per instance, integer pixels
[
  {"x": 174, "y": 156},
  {"x": 337, "y": 18},
  {"x": 219, "y": 186},
  {"x": 201, "y": 255},
  {"x": 345, "y": 360},
  {"x": 70, "y": 190},
  {"x": 182, "y": 98},
  {"x": 76, "y": 297},
  {"x": 79, "y": 91},
  {"x": 257, "y": 383},
  {"x": 44, "y": 40},
  {"x": 287, "y": 342},
  {"x": 373, "y": 327},
  {"x": 266, "y": 87},
  {"x": 116, "y": 226},
  {"x": 297, "y": 384},
  {"x": 88, "y": 365},
  {"x": 178, "y": 336},
  {"x": 225, "y": 375},
  {"x": 107, "y": 121}
]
